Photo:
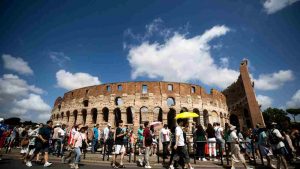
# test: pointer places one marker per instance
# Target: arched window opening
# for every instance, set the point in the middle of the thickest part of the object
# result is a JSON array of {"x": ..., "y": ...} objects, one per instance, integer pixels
[
  {"x": 118, "y": 101},
  {"x": 94, "y": 113},
  {"x": 118, "y": 116},
  {"x": 197, "y": 119},
  {"x": 171, "y": 118},
  {"x": 68, "y": 116},
  {"x": 85, "y": 103},
  {"x": 57, "y": 116},
  {"x": 143, "y": 113},
  {"x": 105, "y": 112},
  {"x": 75, "y": 114},
  {"x": 59, "y": 107},
  {"x": 158, "y": 113},
  {"x": 170, "y": 101},
  {"x": 205, "y": 118},
  {"x": 84, "y": 114},
  {"x": 129, "y": 113},
  {"x": 234, "y": 120},
  {"x": 62, "y": 115}
]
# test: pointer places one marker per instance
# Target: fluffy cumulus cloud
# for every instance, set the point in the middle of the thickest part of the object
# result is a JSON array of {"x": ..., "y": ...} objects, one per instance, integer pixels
[
  {"x": 69, "y": 81},
  {"x": 59, "y": 58},
  {"x": 272, "y": 6},
  {"x": 20, "y": 99},
  {"x": 264, "y": 101},
  {"x": 295, "y": 101},
  {"x": 16, "y": 64},
  {"x": 273, "y": 81},
  {"x": 180, "y": 58}
]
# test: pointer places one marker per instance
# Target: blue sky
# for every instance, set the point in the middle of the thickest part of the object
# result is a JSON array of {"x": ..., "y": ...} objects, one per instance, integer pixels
[{"x": 48, "y": 48}]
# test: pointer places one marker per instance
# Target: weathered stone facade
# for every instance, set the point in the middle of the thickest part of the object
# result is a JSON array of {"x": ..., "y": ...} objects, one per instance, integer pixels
[{"x": 136, "y": 102}]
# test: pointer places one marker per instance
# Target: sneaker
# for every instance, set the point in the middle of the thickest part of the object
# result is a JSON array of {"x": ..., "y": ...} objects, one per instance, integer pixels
[
  {"x": 28, "y": 164},
  {"x": 232, "y": 167},
  {"x": 47, "y": 164},
  {"x": 141, "y": 162},
  {"x": 72, "y": 165},
  {"x": 148, "y": 166},
  {"x": 249, "y": 167},
  {"x": 171, "y": 167},
  {"x": 215, "y": 159},
  {"x": 204, "y": 159}
]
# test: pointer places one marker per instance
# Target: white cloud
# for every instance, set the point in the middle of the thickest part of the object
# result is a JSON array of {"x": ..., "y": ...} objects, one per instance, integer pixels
[
  {"x": 264, "y": 101},
  {"x": 273, "y": 81},
  {"x": 16, "y": 64},
  {"x": 59, "y": 57},
  {"x": 69, "y": 81},
  {"x": 295, "y": 101},
  {"x": 224, "y": 62},
  {"x": 272, "y": 6},
  {"x": 181, "y": 59},
  {"x": 20, "y": 99}
]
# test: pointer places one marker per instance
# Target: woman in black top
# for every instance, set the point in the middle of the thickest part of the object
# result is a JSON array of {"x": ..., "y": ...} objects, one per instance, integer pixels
[
  {"x": 199, "y": 136},
  {"x": 210, "y": 132}
]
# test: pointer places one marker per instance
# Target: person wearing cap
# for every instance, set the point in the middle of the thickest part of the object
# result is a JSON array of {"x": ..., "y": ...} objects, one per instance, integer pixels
[
  {"x": 80, "y": 140},
  {"x": 276, "y": 139},
  {"x": 42, "y": 144},
  {"x": 235, "y": 148}
]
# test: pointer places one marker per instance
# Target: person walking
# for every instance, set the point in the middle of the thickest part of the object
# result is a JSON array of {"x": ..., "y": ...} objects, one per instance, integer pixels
[
  {"x": 264, "y": 147},
  {"x": 140, "y": 139},
  {"x": 95, "y": 138},
  {"x": 42, "y": 144},
  {"x": 200, "y": 136},
  {"x": 210, "y": 132},
  {"x": 235, "y": 148},
  {"x": 79, "y": 140},
  {"x": 165, "y": 139},
  {"x": 219, "y": 137},
  {"x": 147, "y": 143},
  {"x": 119, "y": 145}
]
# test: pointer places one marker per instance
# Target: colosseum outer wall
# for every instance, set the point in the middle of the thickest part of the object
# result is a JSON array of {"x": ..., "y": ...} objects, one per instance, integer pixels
[{"x": 143, "y": 101}]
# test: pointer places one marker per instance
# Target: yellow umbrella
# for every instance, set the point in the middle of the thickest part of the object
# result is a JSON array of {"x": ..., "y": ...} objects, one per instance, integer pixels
[{"x": 185, "y": 115}]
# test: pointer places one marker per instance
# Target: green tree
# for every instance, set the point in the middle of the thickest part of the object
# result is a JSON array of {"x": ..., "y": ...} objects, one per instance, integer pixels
[
  {"x": 294, "y": 113},
  {"x": 276, "y": 115}
]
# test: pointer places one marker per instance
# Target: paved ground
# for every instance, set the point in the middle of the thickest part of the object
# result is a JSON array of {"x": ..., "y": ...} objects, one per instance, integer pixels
[{"x": 12, "y": 161}]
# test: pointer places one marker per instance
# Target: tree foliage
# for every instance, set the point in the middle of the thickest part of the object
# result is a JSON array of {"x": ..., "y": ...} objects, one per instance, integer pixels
[
  {"x": 293, "y": 112},
  {"x": 276, "y": 115}
]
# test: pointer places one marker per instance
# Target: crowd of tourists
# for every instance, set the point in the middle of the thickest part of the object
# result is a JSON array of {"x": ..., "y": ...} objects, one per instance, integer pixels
[{"x": 209, "y": 143}]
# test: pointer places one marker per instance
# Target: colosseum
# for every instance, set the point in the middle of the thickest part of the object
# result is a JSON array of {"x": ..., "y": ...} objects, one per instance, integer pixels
[{"x": 136, "y": 102}]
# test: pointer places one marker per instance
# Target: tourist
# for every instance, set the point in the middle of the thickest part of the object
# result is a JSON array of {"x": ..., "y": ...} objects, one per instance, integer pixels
[
  {"x": 219, "y": 137},
  {"x": 24, "y": 142},
  {"x": 147, "y": 143},
  {"x": 173, "y": 156},
  {"x": 180, "y": 145},
  {"x": 119, "y": 145},
  {"x": 110, "y": 142},
  {"x": 289, "y": 146},
  {"x": 79, "y": 141},
  {"x": 42, "y": 144},
  {"x": 4, "y": 132},
  {"x": 154, "y": 141},
  {"x": 132, "y": 141},
  {"x": 105, "y": 136},
  {"x": 264, "y": 147},
  {"x": 276, "y": 139},
  {"x": 140, "y": 139},
  {"x": 165, "y": 139},
  {"x": 58, "y": 134},
  {"x": 199, "y": 137},
  {"x": 235, "y": 148},
  {"x": 211, "y": 138},
  {"x": 94, "y": 139}
]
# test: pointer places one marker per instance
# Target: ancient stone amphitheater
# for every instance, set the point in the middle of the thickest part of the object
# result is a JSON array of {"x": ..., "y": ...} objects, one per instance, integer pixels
[{"x": 136, "y": 102}]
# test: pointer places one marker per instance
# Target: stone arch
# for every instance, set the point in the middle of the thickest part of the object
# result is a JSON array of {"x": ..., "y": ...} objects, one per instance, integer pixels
[
  {"x": 197, "y": 119},
  {"x": 143, "y": 114},
  {"x": 171, "y": 118},
  {"x": 205, "y": 118},
  {"x": 118, "y": 101},
  {"x": 118, "y": 115},
  {"x": 85, "y": 103},
  {"x": 57, "y": 116},
  {"x": 247, "y": 119},
  {"x": 129, "y": 114},
  {"x": 171, "y": 101},
  {"x": 234, "y": 120},
  {"x": 94, "y": 113},
  {"x": 157, "y": 112},
  {"x": 84, "y": 114},
  {"x": 105, "y": 112},
  {"x": 75, "y": 114},
  {"x": 214, "y": 117},
  {"x": 68, "y": 116},
  {"x": 62, "y": 115}
]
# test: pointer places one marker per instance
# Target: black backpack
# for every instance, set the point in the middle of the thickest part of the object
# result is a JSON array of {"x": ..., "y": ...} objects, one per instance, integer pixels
[{"x": 273, "y": 139}]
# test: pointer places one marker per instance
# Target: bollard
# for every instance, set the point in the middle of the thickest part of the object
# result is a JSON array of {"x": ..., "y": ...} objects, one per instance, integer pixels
[{"x": 134, "y": 157}]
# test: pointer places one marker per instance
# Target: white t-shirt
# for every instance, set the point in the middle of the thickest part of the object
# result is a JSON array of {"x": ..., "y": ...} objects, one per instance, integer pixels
[
  {"x": 218, "y": 131},
  {"x": 233, "y": 137},
  {"x": 105, "y": 133},
  {"x": 278, "y": 134},
  {"x": 179, "y": 132},
  {"x": 79, "y": 137},
  {"x": 165, "y": 135}
]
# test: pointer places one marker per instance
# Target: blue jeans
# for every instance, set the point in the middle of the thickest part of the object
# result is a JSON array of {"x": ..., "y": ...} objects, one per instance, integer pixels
[
  {"x": 78, "y": 154},
  {"x": 94, "y": 145}
]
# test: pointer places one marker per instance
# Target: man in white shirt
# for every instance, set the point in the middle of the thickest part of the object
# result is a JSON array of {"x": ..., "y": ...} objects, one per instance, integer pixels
[
  {"x": 165, "y": 139},
  {"x": 278, "y": 146},
  {"x": 219, "y": 136},
  {"x": 105, "y": 137},
  {"x": 180, "y": 145}
]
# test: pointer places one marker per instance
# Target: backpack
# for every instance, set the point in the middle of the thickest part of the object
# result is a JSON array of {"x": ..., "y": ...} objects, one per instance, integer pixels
[{"x": 273, "y": 139}]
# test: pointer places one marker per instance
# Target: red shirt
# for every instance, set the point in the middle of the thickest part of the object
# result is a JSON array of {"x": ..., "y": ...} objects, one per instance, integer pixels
[{"x": 146, "y": 134}]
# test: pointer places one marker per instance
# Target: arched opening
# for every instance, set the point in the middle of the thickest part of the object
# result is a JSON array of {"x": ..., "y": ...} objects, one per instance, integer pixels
[
  {"x": 234, "y": 120},
  {"x": 205, "y": 117},
  {"x": 86, "y": 103},
  {"x": 170, "y": 101},
  {"x": 94, "y": 113},
  {"x": 84, "y": 114},
  {"x": 171, "y": 118},
  {"x": 129, "y": 113},
  {"x": 247, "y": 118},
  {"x": 62, "y": 115},
  {"x": 75, "y": 114},
  {"x": 214, "y": 118},
  {"x": 157, "y": 111},
  {"x": 184, "y": 109},
  {"x": 117, "y": 113},
  {"x": 105, "y": 112},
  {"x": 143, "y": 113},
  {"x": 196, "y": 119},
  {"x": 68, "y": 116},
  {"x": 118, "y": 101},
  {"x": 57, "y": 116}
]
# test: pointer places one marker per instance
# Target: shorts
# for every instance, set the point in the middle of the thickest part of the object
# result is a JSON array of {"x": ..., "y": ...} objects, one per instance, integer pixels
[
  {"x": 182, "y": 152},
  {"x": 24, "y": 150},
  {"x": 41, "y": 147},
  {"x": 265, "y": 151},
  {"x": 221, "y": 141},
  {"x": 281, "y": 151},
  {"x": 119, "y": 149}
]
